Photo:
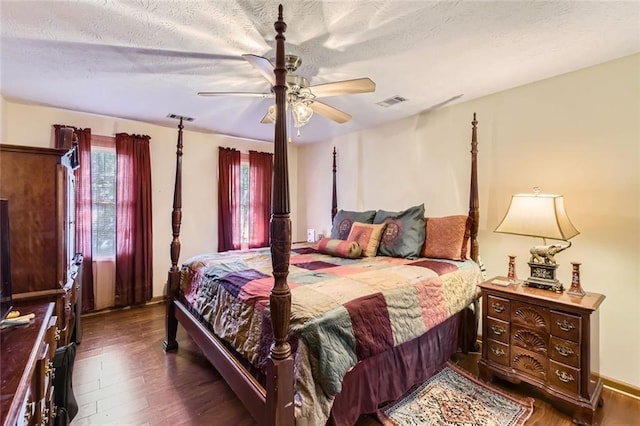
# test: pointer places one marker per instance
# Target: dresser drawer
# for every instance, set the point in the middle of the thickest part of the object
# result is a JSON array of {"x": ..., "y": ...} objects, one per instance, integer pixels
[
  {"x": 498, "y": 352},
  {"x": 498, "y": 330},
  {"x": 533, "y": 340},
  {"x": 566, "y": 326},
  {"x": 564, "y": 378},
  {"x": 530, "y": 363},
  {"x": 498, "y": 307},
  {"x": 532, "y": 316},
  {"x": 564, "y": 351}
]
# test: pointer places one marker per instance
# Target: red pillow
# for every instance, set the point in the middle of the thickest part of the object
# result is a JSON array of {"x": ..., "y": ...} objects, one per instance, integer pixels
[{"x": 447, "y": 237}]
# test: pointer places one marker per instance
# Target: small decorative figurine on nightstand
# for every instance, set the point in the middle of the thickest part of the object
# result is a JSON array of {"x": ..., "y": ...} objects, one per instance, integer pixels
[
  {"x": 575, "y": 289},
  {"x": 511, "y": 272}
]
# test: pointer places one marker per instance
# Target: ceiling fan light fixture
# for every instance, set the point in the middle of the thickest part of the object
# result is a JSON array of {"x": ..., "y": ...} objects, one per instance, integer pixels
[{"x": 302, "y": 113}]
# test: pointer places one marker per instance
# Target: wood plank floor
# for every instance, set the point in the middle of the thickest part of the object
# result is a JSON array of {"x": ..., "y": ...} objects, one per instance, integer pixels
[{"x": 123, "y": 377}]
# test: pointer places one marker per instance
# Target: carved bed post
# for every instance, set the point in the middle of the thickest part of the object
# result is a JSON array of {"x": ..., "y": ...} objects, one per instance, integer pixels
[
  {"x": 471, "y": 343},
  {"x": 474, "y": 211},
  {"x": 279, "y": 384},
  {"x": 173, "y": 282},
  {"x": 334, "y": 198}
]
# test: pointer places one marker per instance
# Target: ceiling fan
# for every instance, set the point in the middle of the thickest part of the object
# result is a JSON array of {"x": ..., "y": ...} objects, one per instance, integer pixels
[{"x": 302, "y": 99}]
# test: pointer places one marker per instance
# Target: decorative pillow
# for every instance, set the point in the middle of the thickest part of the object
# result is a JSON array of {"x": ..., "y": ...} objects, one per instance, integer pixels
[
  {"x": 447, "y": 237},
  {"x": 404, "y": 233},
  {"x": 340, "y": 248},
  {"x": 368, "y": 237},
  {"x": 344, "y": 219}
]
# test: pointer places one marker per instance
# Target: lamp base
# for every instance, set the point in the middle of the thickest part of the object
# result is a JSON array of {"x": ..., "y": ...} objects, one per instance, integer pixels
[{"x": 544, "y": 276}]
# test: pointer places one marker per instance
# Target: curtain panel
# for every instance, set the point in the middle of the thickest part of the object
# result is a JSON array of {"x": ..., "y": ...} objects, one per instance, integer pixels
[
  {"x": 260, "y": 181},
  {"x": 228, "y": 199},
  {"x": 134, "y": 236},
  {"x": 83, "y": 206}
]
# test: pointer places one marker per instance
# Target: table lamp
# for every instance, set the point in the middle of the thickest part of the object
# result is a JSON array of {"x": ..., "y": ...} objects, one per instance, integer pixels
[{"x": 542, "y": 216}]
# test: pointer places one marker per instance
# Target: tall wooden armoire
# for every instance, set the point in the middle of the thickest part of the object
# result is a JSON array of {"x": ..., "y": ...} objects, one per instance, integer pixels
[{"x": 40, "y": 186}]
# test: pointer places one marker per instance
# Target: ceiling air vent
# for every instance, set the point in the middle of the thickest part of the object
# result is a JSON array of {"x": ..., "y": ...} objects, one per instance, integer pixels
[
  {"x": 391, "y": 101},
  {"x": 178, "y": 117}
]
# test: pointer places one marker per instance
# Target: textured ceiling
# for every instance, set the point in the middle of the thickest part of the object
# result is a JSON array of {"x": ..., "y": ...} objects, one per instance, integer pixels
[{"x": 144, "y": 59}]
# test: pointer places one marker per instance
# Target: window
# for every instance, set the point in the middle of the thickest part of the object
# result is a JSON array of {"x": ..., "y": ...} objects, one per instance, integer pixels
[
  {"x": 244, "y": 201},
  {"x": 103, "y": 201}
]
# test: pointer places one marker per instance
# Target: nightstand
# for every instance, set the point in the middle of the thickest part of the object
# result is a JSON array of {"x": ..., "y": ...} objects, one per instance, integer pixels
[{"x": 546, "y": 339}]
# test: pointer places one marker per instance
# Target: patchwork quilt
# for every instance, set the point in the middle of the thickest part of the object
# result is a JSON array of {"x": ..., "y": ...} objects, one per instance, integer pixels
[{"x": 342, "y": 310}]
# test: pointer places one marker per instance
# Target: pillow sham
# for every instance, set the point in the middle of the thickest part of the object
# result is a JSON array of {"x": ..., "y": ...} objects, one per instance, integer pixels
[
  {"x": 447, "y": 237},
  {"x": 340, "y": 248},
  {"x": 404, "y": 233},
  {"x": 344, "y": 219},
  {"x": 368, "y": 237}
]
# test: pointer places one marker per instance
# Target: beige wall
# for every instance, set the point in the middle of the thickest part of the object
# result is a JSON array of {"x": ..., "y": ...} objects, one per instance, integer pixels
[
  {"x": 576, "y": 134},
  {"x": 31, "y": 125}
]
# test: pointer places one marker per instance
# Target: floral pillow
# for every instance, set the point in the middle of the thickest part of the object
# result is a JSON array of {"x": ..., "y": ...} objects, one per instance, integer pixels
[
  {"x": 344, "y": 219},
  {"x": 404, "y": 232},
  {"x": 339, "y": 248},
  {"x": 447, "y": 237},
  {"x": 368, "y": 237}
]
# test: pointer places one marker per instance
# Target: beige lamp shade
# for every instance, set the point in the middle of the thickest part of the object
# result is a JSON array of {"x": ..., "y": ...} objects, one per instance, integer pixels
[{"x": 537, "y": 215}]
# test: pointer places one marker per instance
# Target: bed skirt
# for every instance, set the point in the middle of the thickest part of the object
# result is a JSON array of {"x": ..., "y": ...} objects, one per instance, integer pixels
[{"x": 370, "y": 383}]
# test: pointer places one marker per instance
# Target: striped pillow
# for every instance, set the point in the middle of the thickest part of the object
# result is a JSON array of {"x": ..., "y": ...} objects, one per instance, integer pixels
[{"x": 339, "y": 248}]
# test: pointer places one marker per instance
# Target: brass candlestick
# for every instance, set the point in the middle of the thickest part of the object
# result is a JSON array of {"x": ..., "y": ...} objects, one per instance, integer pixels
[
  {"x": 575, "y": 289},
  {"x": 511, "y": 272}
]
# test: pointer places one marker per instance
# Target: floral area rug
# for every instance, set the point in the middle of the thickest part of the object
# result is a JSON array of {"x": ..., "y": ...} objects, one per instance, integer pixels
[{"x": 453, "y": 397}]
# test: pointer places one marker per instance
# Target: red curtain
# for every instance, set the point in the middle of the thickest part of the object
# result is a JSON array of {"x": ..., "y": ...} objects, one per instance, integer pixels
[
  {"x": 228, "y": 199},
  {"x": 260, "y": 181},
  {"x": 134, "y": 236},
  {"x": 83, "y": 207}
]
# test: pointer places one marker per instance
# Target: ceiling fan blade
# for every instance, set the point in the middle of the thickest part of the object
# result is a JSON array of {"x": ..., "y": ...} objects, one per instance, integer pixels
[
  {"x": 266, "y": 119},
  {"x": 245, "y": 94},
  {"x": 359, "y": 85},
  {"x": 263, "y": 65},
  {"x": 330, "y": 112}
]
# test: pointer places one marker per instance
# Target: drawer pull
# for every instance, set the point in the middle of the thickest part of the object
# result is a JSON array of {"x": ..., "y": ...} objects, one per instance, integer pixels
[
  {"x": 497, "y": 351},
  {"x": 497, "y": 330},
  {"x": 28, "y": 410},
  {"x": 57, "y": 334},
  {"x": 68, "y": 306},
  {"x": 498, "y": 307},
  {"x": 50, "y": 370},
  {"x": 565, "y": 377},
  {"x": 45, "y": 416},
  {"x": 564, "y": 350},
  {"x": 565, "y": 325}
]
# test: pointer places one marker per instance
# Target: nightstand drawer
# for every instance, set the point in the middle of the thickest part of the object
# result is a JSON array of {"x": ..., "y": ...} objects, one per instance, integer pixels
[
  {"x": 498, "y": 308},
  {"x": 532, "y": 340},
  {"x": 530, "y": 363},
  {"x": 498, "y": 330},
  {"x": 564, "y": 378},
  {"x": 498, "y": 352},
  {"x": 565, "y": 326},
  {"x": 532, "y": 316},
  {"x": 564, "y": 351}
]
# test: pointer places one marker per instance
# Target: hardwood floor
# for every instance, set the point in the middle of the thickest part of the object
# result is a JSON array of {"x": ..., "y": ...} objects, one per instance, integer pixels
[{"x": 123, "y": 377}]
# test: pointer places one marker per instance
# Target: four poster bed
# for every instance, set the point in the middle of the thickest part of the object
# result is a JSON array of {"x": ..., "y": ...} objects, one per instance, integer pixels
[{"x": 306, "y": 337}]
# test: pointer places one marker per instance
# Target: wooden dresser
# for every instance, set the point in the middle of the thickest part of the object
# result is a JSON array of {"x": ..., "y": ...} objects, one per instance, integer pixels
[
  {"x": 547, "y": 339},
  {"x": 39, "y": 185},
  {"x": 27, "y": 354}
]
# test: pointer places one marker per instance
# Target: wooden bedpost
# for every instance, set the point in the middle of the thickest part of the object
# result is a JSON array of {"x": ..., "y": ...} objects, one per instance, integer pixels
[
  {"x": 334, "y": 198},
  {"x": 471, "y": 318},
  {"x": 173, "y": 281},
  {"x": 279, "y": 383},
  {"x": 473, "y": 193}
]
